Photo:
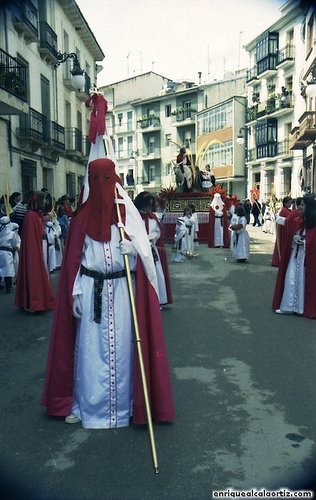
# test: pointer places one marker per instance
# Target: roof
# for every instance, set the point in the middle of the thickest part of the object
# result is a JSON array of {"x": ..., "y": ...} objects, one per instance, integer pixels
[
  {"x": 136, "y": 76},
  {"x": 76, "y": 17}
]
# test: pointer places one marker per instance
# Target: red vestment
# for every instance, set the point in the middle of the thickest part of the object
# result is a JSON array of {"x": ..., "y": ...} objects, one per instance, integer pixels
[
  {"x": 97, "y": 116},
  {"x": 292, "y": 225},
  {"x": 33, "y": 290},
  {"x": 284, "y": 212},
  {"x": 224, "y": 219},
  {"x": 58, "y": 391}
]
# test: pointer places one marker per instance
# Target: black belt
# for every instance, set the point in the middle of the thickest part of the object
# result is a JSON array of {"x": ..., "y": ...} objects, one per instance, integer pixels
[
  {"x": 7, "y": 249},
  {"x": 98, "y": 287}
]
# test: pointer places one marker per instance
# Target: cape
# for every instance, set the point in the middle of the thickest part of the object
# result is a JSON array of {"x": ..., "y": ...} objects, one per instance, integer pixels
[
  {"x": 33, "y": 290},
  {"x": 58, "y": 389},
  {"x": 284, "y": 212},
  {"x": 226, "y": 238},
  {"x": 291, "y": 227}
]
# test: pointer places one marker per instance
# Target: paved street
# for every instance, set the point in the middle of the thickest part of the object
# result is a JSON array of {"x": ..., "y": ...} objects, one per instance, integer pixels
[{"x": 244, "y": 389}]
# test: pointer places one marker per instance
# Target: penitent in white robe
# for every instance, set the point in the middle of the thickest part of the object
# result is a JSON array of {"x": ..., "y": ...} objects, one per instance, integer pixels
[
  {"x": 103, "y": 379},
  {"x": 154, "y": 235},
  {"x": 294, "y": 284},
  {"x": 240, "y": 241},
  {"x": 9, "y": 238}
]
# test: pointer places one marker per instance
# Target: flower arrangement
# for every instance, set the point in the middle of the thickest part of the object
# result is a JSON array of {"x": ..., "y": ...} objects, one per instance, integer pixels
[
  {"x": 169, "y": 193},
  {"x": 218, "y": 189}
]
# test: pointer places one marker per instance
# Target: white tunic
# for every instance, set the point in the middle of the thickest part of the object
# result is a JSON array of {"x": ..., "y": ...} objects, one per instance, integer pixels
[
  {"x": 154, "y": 235},
  {"x": 218, "y": 229},
  {"x": 294, "y": 283},
  {"x": 103, "y": 381},
  {"x": 10, "y": 239},
  {"x": 240, "y": 241}
]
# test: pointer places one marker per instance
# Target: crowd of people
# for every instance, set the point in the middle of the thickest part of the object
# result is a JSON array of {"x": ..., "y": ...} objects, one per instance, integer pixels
[{"x": 32, "y": 231}]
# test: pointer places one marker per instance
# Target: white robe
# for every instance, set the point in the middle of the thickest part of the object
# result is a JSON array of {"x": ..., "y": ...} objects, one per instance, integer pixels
[
  {"x": 180, "y": 232},
  {"x": 49, "y": 252},
  {"x": 103, "y": 381},
  {"x": 154, "y": 235},
  {"x": 294, "y": 283},
  {"x": 240, "y": 241},
  {"x": 218, "y": 230},
  {"x": 10, "y": 238}
]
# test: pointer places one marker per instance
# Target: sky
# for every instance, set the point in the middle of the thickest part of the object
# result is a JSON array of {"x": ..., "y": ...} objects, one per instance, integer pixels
[{"x": 176, "y": 38}]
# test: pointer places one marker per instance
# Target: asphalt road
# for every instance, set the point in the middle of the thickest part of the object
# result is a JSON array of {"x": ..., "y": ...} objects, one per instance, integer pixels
[{"x": 244, "y": 389}]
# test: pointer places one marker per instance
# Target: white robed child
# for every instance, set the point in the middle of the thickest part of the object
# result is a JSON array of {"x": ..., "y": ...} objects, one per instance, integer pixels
[
  {"x": 240, "y": 241},
  {"x": 9, "y": 245}
]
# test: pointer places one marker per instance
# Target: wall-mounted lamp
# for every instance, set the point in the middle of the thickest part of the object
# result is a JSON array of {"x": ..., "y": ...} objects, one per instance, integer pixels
[
  {"x": 241, "y": 135},
  {"x": 310, "y": 89},
  {"x": 78, "y": 79}
]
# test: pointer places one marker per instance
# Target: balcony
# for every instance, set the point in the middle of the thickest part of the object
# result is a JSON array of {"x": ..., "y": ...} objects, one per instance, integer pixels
[
  {"x": 73, "y": 142},
  {"x": 33, "y": 130},
  {"x": 305, "y": 133},
  {"x": 251, "y": 74},
  {"x": 252, "y": 113},
  {"x": 84, "y": 93},
  {"x": 275, "y": 105},
  {"x": 283, "y": 148},
  {"x": 151, "y": 122},
  {"x": 57, "y": 136},
  {"x": 183, "y": 116},
  {"x": 26, "y": 21},
  {"x": 285, "y": 56},
  {"x": 267, "y": 66},
  {"x": 48, "y": 43},
  {"x": 12, "y": 81},
  {"x": 251, "y": 154},
  {"x": 151, "y": 153},
  {"x": 86, "y": 146},
  {"x": 268, "y": 150}
]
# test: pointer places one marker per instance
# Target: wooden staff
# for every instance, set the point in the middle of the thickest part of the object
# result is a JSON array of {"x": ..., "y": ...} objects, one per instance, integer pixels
[{"x": 138, "y": 341}]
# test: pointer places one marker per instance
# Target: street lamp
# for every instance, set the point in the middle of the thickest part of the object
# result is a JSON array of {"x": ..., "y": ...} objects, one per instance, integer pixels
[
  {"x": 78, "y": 79},
  {"x": 241, "y": 136}
]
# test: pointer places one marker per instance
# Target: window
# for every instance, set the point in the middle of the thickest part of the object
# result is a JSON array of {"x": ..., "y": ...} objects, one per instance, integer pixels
[
  {"x": 309, "y": 35},
  {"x": 71, "y": 184},
  {"x": 129, "y": 120},
  {"x": 215, "y": 119},
  {"x": 168, "y": 110},
  {"x": 219, "y": 154},
  {"x": 129, "y": 145},
  {"x": 28, "y": 176},
  {"x": 152, "y": 173},
  {"x": 120, "y": 147},
  {"x": 151, "y": 145},
  {"x": 120, "y": 117},
  {"x": 266, "y": 138}
]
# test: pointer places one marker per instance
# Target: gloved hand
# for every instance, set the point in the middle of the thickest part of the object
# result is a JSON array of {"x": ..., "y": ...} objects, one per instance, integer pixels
[
  {"x": 299, "y": 239},
  {"x": 77, "y": 307},
  {"x": 126, "y": 248}
]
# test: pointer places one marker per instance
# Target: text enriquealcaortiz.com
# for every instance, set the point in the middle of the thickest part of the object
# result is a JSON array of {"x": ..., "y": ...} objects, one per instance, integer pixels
[{"x": 263, "y": 493}]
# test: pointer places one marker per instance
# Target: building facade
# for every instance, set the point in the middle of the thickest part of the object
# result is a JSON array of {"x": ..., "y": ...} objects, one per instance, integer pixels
[
  {"x": 277, "y": 58},
  {"x": 303, "y": 134},
  {"x": 43, "y": 119},
  {"x": 148, "y": 131}
]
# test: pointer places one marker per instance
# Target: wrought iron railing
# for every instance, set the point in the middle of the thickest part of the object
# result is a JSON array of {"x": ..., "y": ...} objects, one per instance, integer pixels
[
  {"x": 12, "y": 75},
  {"x": 57, "y": 136},
  {"x": 73, "y": 140},
  {"x": 33, "y": 126},
  {"x": 29, "y": 16},
  {"x": 286, "y": 53},
  {"x": 48, "y": 38}
]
